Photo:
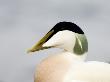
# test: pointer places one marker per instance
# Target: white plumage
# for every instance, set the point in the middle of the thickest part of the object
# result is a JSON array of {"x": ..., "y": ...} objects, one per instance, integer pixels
[
  {"x": 65, "y": 67},
  {"x": 91, "y": 71}
]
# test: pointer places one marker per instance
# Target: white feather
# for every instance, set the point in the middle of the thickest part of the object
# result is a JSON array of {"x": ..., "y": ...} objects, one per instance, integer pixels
[
  {"x": 63, "y": 39},
  {"x": 91, "y": 71}
]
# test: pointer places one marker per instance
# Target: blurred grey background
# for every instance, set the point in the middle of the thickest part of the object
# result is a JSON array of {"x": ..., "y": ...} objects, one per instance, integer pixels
[{"x": 24, "y": 22}]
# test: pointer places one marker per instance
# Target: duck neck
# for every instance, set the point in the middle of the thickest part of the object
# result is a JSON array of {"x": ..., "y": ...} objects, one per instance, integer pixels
[
  {"x": 80, "y": 48},
  {"x": 73, "y": 57}
]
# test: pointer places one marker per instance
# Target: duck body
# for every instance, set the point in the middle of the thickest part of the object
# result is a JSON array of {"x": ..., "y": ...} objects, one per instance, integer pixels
[{"x": 66, "y": 67}]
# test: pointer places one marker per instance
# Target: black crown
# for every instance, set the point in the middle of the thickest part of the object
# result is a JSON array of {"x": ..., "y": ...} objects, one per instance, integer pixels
[{"x": 67, "y": 26}]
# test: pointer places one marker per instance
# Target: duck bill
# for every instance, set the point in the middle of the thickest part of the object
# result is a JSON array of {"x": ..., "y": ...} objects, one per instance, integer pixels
[{"x": 39, "y": 45}]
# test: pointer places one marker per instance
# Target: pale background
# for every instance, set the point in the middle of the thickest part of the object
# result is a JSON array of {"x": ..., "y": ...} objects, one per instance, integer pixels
[{"x": 24, "y": 22}]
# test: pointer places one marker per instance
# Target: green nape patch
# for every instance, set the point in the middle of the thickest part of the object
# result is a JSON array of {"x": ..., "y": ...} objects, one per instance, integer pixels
[{"x": 81, "y": 45}]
